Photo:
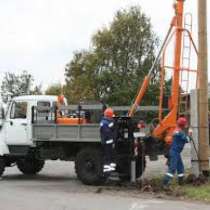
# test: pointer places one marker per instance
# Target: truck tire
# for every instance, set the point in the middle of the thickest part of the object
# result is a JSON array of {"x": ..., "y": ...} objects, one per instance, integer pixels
[
  {"x": 89, "y": 166},
  {"x": 124, "y": 168},
  {"x": 2, "y": 166},
  {"x": 30, "y": 166}
]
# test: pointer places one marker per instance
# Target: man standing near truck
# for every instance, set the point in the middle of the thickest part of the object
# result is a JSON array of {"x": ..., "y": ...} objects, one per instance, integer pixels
[
  {"x": 175, "y": 159},
  {"x": 107, "y": 140}
]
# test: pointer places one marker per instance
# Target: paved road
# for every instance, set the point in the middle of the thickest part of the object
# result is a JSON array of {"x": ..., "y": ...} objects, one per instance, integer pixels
[{"x": 56, "y": 188}]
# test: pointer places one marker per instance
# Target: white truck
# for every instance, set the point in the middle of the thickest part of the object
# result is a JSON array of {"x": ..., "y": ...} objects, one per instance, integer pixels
[{"x": 28, "y": 137}]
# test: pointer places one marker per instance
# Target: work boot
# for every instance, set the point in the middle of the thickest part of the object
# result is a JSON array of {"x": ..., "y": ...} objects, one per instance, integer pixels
[{"x": 166, "y": 181}]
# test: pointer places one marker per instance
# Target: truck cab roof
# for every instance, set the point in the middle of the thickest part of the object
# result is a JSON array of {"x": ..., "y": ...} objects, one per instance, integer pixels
[{"x": 35, "y": 98}]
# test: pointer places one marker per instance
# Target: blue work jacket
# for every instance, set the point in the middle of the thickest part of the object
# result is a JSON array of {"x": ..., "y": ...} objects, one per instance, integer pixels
[
  {"x": 107, "y": 130},
  {"x": 179, "y": 140}
]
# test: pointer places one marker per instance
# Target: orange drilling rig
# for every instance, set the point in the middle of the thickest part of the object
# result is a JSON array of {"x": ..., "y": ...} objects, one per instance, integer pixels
[{"x": 181, "y": 31}]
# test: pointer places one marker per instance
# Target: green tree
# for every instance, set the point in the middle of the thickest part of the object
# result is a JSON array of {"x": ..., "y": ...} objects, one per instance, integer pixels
[
  {"x": 15, "y": 85},
  {"x": 81, "y": 78},
  {"x": 37, "y": 90},
  {"x": 54, "y": 89},
  {"x": 120, "y": 57}
]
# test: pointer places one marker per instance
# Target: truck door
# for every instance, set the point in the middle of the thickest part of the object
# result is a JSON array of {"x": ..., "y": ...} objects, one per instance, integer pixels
[{"x": 16, "y": 124}]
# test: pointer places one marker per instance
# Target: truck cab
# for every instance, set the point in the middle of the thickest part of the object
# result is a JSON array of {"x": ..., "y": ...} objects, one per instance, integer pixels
[{"x": 16, "y": 127}]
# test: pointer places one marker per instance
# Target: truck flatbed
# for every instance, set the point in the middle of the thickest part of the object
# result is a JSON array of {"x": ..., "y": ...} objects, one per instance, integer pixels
[{"x": 66, "y": 133}]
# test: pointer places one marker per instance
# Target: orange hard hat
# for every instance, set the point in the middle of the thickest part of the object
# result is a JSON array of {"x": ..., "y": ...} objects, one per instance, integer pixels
[
  {"x": 182, "y": 122},
  {"x": 109, "y": 113}
]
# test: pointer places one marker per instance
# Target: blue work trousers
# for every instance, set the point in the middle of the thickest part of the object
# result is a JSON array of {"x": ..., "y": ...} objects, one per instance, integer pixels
[{"x": 175, "y": 163}]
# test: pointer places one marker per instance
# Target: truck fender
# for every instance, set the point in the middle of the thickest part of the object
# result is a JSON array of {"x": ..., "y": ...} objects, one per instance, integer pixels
[{"x": 4, "y": 150}]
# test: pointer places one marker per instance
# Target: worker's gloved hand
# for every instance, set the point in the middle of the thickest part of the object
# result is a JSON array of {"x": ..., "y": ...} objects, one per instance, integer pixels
[
  {"x": 190, "y": 135},
  {"x": 190, "y": 132}
]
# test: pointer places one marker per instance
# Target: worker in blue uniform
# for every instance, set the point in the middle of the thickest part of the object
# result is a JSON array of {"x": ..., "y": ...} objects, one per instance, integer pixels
[
  {"x": 175, "y": 159},
  {"x": 107, "y": 140}
]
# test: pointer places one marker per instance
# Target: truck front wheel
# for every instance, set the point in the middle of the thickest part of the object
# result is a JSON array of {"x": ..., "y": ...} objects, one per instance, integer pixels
[
  {"x": 30, "y": 166},
  {"x": 2, "y": 166},
  {"x": 89, "y": 165}
]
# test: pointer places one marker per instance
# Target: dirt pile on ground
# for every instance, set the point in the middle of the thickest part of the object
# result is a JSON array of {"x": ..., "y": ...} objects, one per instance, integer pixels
[
  {"x": 153, "y": 187},
  {"x": 196, "y": 181}
]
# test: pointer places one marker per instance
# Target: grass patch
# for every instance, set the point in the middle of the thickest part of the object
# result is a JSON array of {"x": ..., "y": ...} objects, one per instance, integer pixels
[
  {"x": 198, "y": 189},
  {"x": 201, "y": 193}
]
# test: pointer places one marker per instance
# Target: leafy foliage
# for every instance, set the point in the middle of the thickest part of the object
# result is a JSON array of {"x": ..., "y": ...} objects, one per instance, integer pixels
[
  {"x": 54, "y": 89},
  {"x": 15, "y": 85},
  {"x": 120, "y": 57},
  {"x": 37, "y": 90},
  {"x": 81, "y": 78}
]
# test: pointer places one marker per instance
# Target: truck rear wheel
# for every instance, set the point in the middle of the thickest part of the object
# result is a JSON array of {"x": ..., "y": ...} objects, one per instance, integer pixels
[
  {"x": 30, "y": 166},
  {"x": 89, "y": 166},
  {"x": 2, "y": 166}
]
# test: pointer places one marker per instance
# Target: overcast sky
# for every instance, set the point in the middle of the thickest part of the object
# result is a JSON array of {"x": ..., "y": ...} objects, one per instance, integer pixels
[{"x": 41, "y": 35}]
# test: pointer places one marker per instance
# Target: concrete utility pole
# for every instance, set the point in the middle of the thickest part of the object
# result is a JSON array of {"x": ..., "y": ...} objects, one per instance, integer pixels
[
  {"x": 203, "y": 86},
  {"x": 194, "y": 115}
]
